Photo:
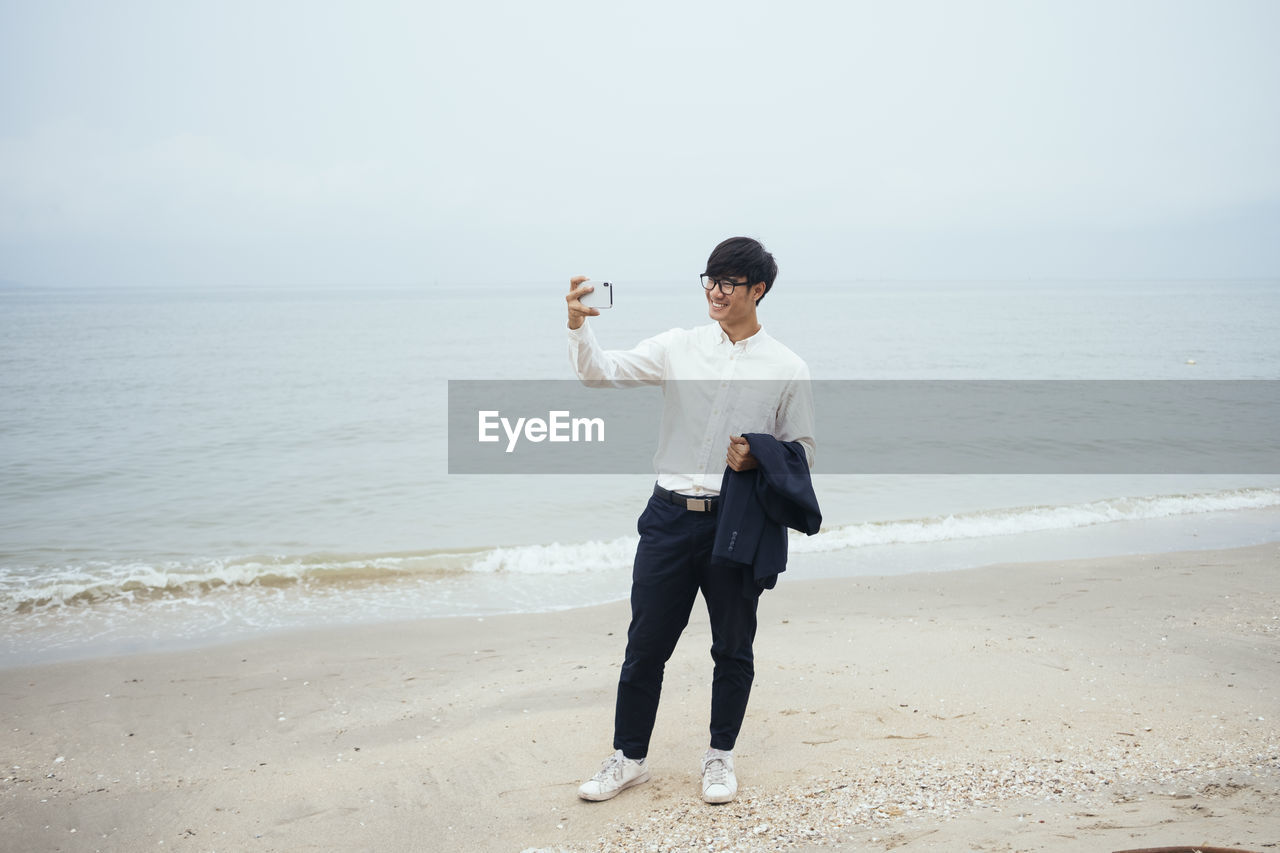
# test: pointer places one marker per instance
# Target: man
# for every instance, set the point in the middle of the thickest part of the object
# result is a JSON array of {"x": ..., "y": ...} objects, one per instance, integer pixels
[{"x": 702, "y": 431}]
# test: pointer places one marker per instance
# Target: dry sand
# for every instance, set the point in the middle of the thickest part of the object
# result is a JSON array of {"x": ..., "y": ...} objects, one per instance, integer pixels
[{"x": 1092, "y": 705}]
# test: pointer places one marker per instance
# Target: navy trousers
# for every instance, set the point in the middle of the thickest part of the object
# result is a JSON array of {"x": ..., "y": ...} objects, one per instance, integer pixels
[{"x": 673, "y": 562}]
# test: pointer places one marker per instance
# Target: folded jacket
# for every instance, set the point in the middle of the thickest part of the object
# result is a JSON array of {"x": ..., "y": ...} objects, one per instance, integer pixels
[{"x": 757, "y": 507}]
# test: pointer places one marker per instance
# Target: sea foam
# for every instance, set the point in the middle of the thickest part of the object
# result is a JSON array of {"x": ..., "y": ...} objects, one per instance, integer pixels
[{"x": 96, "y": 582}]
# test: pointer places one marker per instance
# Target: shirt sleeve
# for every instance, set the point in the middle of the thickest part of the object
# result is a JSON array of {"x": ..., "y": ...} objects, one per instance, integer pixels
[
  {"x": 796, "y": 418},
  {"x": 645, "y": 363}
]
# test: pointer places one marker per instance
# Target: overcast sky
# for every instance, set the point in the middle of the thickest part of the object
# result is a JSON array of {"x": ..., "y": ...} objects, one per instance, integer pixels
[{"x": 322, "y": 143}]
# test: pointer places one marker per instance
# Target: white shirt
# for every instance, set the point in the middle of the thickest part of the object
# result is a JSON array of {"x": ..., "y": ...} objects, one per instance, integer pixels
[{"x": 754, "y": 385}]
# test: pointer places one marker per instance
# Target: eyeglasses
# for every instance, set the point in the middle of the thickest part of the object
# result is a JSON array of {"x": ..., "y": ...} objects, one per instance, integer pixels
[{"x": 726, "y": 285}]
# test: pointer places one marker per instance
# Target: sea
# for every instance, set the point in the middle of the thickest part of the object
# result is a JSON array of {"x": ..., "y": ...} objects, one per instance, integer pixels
[{"x": 186, "y": 466}]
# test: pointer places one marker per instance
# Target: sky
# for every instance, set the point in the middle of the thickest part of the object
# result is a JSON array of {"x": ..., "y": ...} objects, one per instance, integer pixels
[{"x": 409, "y": 144}]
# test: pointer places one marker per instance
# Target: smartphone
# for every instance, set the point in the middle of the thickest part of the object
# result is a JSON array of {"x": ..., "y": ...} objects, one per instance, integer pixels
[{"x": 601, "y": 297}]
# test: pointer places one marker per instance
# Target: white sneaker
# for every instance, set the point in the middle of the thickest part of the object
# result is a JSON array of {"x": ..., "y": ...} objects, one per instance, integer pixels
[
  {"x": 719, "y": 785},
  {"x": 616, "y": 775}
]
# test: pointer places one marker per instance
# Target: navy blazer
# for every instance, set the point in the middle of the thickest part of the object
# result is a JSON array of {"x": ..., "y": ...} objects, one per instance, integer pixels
[{"x": 757, "y": 507}]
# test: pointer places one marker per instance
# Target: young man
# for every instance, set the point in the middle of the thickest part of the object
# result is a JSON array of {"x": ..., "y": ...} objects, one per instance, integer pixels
[{"x": 702, "y": 431}]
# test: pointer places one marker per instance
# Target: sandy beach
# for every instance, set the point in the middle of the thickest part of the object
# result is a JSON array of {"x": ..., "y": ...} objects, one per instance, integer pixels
[{"x": 1103, "y": 704}]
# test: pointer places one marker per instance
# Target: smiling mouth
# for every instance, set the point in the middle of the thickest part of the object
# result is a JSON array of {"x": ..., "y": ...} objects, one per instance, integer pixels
[{"x": 719, "y": 306}]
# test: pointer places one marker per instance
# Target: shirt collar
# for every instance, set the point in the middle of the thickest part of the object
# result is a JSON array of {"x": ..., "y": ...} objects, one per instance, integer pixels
[{"x": 746, "y": 344}]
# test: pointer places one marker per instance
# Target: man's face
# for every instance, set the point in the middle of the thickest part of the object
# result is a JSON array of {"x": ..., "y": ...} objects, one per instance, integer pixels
[{"x": 730, "y": 307}]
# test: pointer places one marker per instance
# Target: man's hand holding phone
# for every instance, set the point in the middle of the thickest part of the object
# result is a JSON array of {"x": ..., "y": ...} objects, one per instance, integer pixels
[{"x": 584, "y": 301}]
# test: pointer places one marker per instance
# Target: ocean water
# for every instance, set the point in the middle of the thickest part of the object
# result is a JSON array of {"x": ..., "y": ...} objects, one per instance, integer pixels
[{"x": 184, "y": 466}]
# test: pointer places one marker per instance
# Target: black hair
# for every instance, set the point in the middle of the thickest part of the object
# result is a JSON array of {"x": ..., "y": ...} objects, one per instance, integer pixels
[{"x": 743, "y": 256}]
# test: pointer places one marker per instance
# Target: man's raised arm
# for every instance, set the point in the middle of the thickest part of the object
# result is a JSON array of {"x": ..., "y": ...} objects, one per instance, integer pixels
[{"x": 644, "y": 364}]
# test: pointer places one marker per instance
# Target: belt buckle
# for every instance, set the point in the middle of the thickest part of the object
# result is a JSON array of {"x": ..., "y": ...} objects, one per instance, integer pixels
[{"x": 697, "y": 504}]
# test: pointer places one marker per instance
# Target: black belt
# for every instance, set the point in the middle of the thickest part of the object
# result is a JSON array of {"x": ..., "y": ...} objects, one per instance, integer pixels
[{"x": 706, "y": 504}]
